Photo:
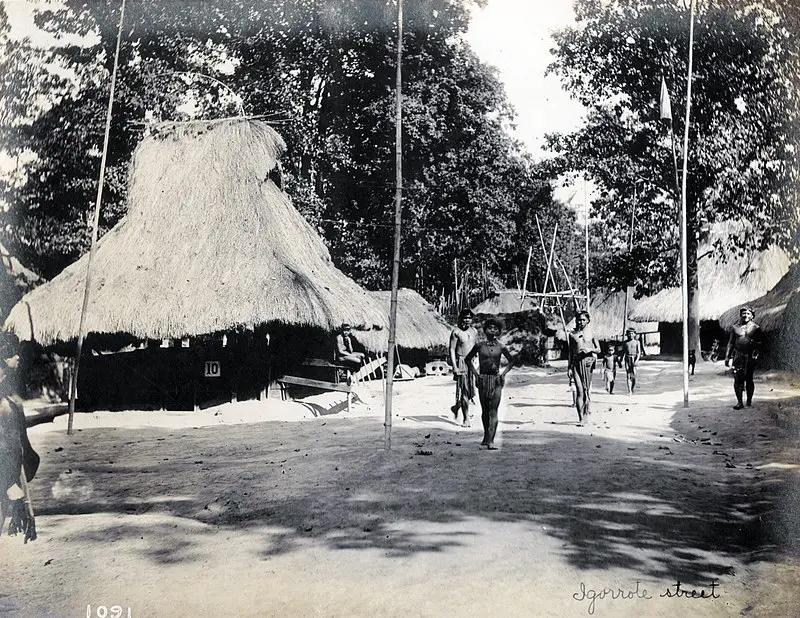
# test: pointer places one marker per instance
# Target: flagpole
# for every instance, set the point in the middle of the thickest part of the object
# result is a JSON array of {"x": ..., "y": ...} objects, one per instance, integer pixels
[
  {"x": 684, "y": 229},
  {"x": 73, "y": 391},
  {"x": 398, "y": 219}
]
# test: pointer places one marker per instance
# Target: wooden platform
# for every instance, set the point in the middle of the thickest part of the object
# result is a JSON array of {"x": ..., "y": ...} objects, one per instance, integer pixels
[{"x": 341, "y": 387}]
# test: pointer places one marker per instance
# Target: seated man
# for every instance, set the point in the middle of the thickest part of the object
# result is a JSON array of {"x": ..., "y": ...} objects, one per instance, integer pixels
[{"x": 345, "y": 355}]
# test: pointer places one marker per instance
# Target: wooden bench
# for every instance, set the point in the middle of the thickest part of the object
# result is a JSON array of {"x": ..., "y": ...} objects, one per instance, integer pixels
[
  {"x": 341, "y": 387},
  {"x": 325, "y": 364}
]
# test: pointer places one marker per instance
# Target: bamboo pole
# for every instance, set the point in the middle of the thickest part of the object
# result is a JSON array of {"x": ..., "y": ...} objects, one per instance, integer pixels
[
  {"x": 398, "y": 220},
  {"x": 684, "y": 231},
  {"x": 630, "y": 248},
  {"x": 586, "y": 210},
  {"x": 525, "y": 280},
  {"x": 95, "y": 224}
]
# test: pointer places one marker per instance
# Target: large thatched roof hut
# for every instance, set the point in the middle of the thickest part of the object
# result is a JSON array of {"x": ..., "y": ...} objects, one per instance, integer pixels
[
  {"x": 419, "y": 325},
  {"x": 209, "y": 243},
  {"x": 722, "y": 286},
  {"x": 778, "y": 314},
  {"x": 770, "y": 309},
  {"x": 212, "y": 265}
]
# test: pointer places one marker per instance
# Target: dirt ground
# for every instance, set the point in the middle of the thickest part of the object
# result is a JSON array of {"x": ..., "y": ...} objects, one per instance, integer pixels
[{"x": 281, "y": 509}]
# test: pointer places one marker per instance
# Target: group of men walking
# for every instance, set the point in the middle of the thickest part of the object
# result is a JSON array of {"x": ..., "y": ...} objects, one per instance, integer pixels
[{"x": 584, "y": 351}]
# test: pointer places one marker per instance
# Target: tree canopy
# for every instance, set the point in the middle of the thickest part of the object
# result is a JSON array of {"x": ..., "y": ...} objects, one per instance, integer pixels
[
  {"x": 323, "y": 72},
  {"x": 744, "y": 129}
]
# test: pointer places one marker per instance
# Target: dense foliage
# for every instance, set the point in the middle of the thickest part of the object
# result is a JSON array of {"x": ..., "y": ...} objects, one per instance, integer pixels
[
  {"x": 744, "y": 131},
  {"x": 323, "y": 71}
]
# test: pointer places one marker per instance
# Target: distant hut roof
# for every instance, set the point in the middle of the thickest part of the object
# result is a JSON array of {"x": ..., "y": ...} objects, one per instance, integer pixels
[
  {"x": 419, "y": 325},
  {"x": 505, "y": 301},
  {"x": 209, "y": 243},
  {"x": 770, "y": 309},
  {"x": 722, "y": 286},
  {"x": 607, "y": 312}
]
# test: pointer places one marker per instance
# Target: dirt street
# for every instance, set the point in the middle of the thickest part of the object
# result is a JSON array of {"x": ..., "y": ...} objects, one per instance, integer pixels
[{"x": 272, "y": 509}]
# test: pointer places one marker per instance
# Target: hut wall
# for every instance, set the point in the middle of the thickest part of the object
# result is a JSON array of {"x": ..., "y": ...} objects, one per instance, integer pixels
[
  {"x": 671, "y": 336},
  {"x": 175, "y": 378}
]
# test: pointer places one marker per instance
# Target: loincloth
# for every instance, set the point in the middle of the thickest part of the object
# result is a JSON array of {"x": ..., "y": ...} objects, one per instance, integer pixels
[
  {"x": 489, "y": 385},
  {"x": 465, "y": 381}
]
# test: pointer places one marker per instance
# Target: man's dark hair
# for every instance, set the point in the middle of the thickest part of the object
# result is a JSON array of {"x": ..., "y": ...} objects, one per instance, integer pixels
[
  {"x": 586, "y": 313},
  {"x": 492, "y": 322},
  {"x": 466, "y": 313}
]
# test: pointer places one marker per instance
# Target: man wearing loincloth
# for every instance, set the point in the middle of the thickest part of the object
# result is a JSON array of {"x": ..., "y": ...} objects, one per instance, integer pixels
[
  {"x": 583, "y": 351},
  {"x": 744, "y": 345},
  {"x": 631, "y": 353},
  {"x": 462, "y": 340},
  {"x": 490, "y": 379}
]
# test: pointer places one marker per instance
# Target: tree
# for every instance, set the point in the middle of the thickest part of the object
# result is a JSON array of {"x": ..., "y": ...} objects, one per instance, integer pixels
[
  {"x": 322, "y": 71},
  {"x": 743, "y": 163}
]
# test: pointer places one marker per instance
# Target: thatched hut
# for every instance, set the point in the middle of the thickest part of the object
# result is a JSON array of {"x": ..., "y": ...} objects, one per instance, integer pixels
[
  {"x": 778, "y": 314},
  {"x": 607, "y": 310},
  {"x": 210, "y": 245},
  {"x": 419, "y": 325},
  {"x": 506, "y": 301},
  {"x": 722, "y": 285}
]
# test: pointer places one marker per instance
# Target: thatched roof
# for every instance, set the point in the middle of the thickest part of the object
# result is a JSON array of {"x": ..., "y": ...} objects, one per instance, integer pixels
[
  {"x": 209, "y": 243},
  {"x": 505, "y": 301},
  {"x": 722, "y": 286},
  {"x": 607, "y": 311},
  {"x": 419, "y": 325},
  {"x": 770, "y": 309}
]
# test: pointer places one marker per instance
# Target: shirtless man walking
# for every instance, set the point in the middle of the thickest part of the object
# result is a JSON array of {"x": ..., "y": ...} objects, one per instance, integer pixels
[
  {"x": 631, "y": 353},
  {"x": 743, "y": 347},
  {"x": 462, "y": 339},
  {"x": 490, "y": 379}
]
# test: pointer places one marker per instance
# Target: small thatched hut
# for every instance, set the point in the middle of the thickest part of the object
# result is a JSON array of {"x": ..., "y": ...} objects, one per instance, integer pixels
[
  {"x": 778, "y": 314},
  {"x": 607, "y": 311},
  {"x": 419, "y": 325},
  {"x": 505, "y": 301},
  {"x": 722, "y": 286},
  {"x": 210, "y": 245}
]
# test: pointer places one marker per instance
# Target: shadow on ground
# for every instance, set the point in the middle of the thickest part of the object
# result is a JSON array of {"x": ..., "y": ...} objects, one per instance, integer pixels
[{"x": 669, "y": 512}]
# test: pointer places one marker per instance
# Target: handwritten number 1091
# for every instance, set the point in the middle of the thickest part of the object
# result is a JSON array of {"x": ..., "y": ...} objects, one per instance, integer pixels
[{"x": 115, "y": 611}]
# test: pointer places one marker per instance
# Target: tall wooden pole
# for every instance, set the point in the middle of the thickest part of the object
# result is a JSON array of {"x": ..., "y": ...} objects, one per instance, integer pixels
[
  {"x": 95, "y": 224},
  {"x": 630, "y": 248},
  {"x": 398, "y": 220},
  {"x": 586, "y": 211},
  {"x": 684, "y": 229},
  {"x": 525, "y": 280}
]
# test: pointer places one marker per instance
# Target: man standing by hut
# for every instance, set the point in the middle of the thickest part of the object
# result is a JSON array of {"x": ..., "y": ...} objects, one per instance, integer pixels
[
  {"x": 462, "y": 339},
  {"x": 744, "y": 346}
]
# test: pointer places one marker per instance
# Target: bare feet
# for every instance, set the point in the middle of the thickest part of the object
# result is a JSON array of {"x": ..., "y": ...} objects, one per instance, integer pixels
[
  {"x": 465, "y": 424},
  {"x": 492, "y": 447}
]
